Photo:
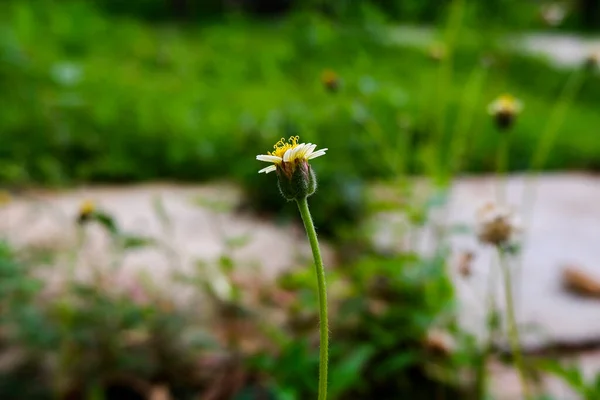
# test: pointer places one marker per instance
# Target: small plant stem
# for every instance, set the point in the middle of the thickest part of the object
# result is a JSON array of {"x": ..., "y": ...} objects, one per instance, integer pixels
[
  {"x": 556, "y": 118},
  {"x": 548, "y": 136},
  {"x": 323, "y": 325},
  {"x": 443, "y": 90},
  {"x": 466, "y": 119},
  {"x": 555, "y": 121},
  {"x": 491, "y": 325},
  {"x": 513, "y": 332},
  {"x": 502, "y": 167}
]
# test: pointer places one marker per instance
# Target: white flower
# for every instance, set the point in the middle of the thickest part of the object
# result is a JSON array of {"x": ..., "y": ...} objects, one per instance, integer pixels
[
  {"x": 289, "y": 153},
  {"x": 497, "y": 225},
  {"x": 593, "y": 59},
  {"x": 554, "y": 14}
]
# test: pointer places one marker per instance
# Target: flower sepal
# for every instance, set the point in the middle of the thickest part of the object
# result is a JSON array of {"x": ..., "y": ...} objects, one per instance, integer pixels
[{"x": 297, "y": 183}]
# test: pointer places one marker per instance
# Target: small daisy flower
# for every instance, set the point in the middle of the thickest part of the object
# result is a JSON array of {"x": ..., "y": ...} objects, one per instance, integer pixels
[
  {"x": 287, "y": 155},
  {"x": 290, "y": 161},
  {"x": 497, "y": 225},
  {"x": 504, "y": 110}
]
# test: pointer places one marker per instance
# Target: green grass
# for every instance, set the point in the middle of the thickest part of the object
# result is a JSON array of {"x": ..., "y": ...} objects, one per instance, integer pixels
[{"x": 90, "y": 97}]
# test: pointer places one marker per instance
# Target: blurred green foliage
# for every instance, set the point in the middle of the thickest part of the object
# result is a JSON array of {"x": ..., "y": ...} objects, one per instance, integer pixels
[
  {"x": 105, "y": 337},
  {"x": 92, "y": 335},
  {"x": 93, "y": 97},
  {"x": 515, "y": 13},
  {"x": 124, "y": 91}
]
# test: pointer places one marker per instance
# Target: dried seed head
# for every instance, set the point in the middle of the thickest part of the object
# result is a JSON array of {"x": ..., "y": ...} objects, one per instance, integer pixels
[
  {"x": 497, "y": 225},
  {"x": 439, "y": 342},
  {"x": 465, "y": 268}
]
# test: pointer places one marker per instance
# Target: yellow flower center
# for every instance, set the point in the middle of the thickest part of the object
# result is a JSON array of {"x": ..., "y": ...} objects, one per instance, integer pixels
[
  {"x": 87, "y": 207},
  {"x": 4, "y": 198},
  {"x": 282, "y": 146},
  {"x": 329, "y": 77},
  {"x": 507, "y": 102}
]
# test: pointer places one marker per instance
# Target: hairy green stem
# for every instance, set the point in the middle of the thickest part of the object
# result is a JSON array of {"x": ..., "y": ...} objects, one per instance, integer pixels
[
  {"x": 513, "y": 332},
  {"x": 323, "y": 325}
]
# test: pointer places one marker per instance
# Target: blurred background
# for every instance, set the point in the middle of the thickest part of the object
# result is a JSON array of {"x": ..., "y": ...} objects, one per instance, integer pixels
[{"x": 143, "y": 256}]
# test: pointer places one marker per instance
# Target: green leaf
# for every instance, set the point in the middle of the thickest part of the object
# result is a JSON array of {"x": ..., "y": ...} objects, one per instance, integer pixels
[
  {"x": 134, "y": 242},
  {"x": 347, "y": 372},
  {"x": 394, "y": 365},
  {"x": 161, "y": 211},
  {"x": 237, "y": 241},
  {"x": 106, "y": 221},
  {"x": 216, "y": 205},
  {"x": 226, "y": 264},
  {"x": 572, "y": 375}
]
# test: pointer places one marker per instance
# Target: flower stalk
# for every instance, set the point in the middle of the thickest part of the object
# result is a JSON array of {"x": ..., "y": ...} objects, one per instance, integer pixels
[
  {"x": 297, "y": 181},
  {"x": 513, "y": 332},
  {"x": 323, "y": 324}
]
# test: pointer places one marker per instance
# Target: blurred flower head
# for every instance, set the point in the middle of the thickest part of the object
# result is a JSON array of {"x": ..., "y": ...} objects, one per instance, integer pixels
[
  {"x": 465, "y": 264},
  {"x": 330, "y": 80},
  {"x": 439, "y": 342},
  {"x": 592, "y": 61},
  {"x": 504, "y": 110},
  {"x": 5, "y": 198},
  {"x": 437, "y": 52},
  {"x": 497, "y": 225},
  {"x": 86, "y": 210},
  {"x": 290, "y": 160},
  {"x": 553, "y": 14}
]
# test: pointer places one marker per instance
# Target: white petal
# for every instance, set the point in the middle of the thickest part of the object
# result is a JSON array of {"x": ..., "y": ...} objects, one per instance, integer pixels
[
  {"x": 290, "y": 154},
  {"x": 317, "y": 153},
  {"x": 309, "y": 150},
  {"x": 268, "y": 169},
  {"x": 268, "y": 158},
  {"x": 287, "y": 154},
  {"x": 298, "y": 151}
]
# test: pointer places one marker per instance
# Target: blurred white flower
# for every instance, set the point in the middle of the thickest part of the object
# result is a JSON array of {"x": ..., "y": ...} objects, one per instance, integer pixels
[
  {"x": 592, "y": 60},
  {"x": 553, "y": 14}
]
